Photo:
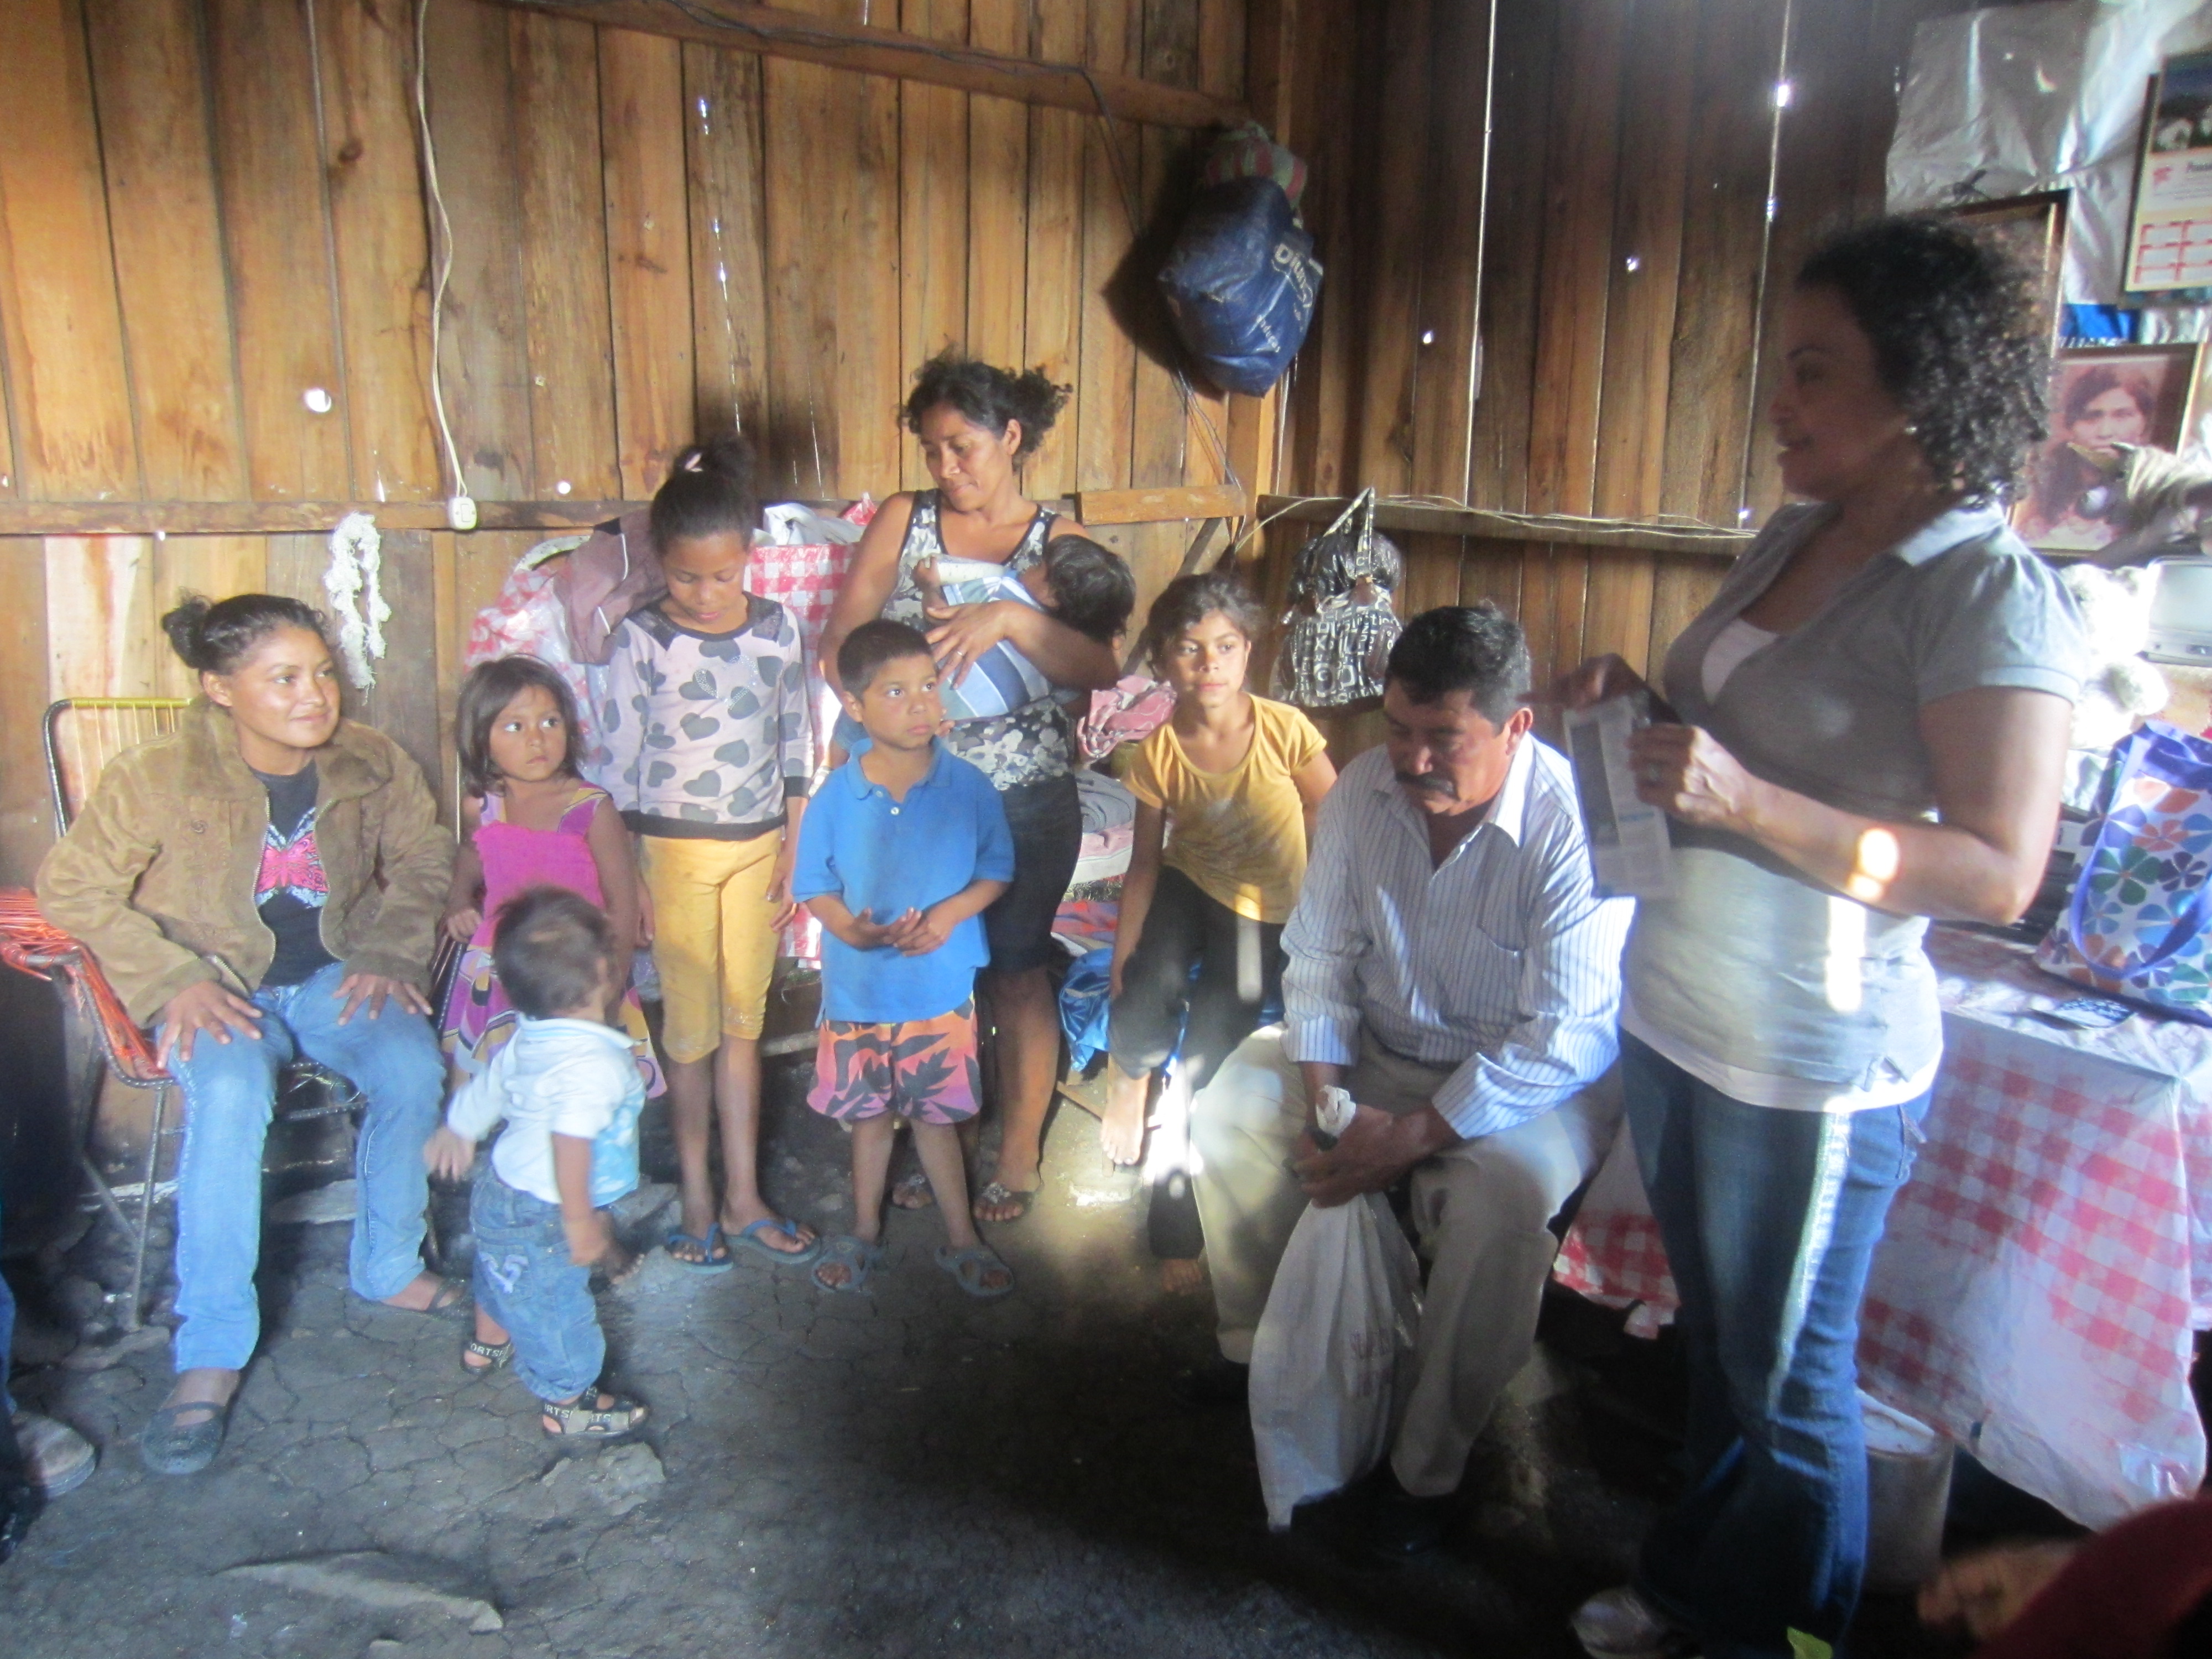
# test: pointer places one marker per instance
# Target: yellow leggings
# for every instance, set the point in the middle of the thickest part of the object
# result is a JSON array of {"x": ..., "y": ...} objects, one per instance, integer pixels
[{"x": 714, "y": 937}]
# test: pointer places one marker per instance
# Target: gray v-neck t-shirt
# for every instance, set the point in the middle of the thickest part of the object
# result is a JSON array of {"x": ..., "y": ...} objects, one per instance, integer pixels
[{"x": 1752, "y": 965}]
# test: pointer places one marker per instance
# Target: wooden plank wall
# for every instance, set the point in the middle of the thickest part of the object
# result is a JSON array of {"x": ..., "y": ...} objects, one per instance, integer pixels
[
  {"x": 1625, "y": 286},
  {"x": 213, "y": 251}
]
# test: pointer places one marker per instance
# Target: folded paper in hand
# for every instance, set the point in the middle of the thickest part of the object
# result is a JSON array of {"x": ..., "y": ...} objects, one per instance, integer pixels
[{"x": 1631, "y": 853}]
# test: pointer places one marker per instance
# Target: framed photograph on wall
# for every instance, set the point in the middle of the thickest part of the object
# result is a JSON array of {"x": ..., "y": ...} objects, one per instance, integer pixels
[
  {"x": 2101, "y": 397},
  {"x": 2033, "y": 229}
]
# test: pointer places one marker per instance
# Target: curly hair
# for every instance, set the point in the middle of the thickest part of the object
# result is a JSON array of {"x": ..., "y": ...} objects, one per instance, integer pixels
[
  {"x": 986, "y": 397},
  {"x": 1959, "y": 341}
]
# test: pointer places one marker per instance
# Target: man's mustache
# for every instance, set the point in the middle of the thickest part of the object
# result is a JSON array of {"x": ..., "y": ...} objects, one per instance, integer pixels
[{"x": 1430, "y": 783}]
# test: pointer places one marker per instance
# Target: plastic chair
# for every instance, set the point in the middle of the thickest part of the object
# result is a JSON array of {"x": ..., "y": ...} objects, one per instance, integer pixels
[{"x": 83, "y": 734}]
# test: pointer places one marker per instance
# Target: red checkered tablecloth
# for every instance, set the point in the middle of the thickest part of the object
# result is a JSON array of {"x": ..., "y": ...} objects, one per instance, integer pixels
[{"x": 2035, "y": 1292}]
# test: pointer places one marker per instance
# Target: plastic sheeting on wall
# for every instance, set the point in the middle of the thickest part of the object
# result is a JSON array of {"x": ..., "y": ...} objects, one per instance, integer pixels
[{"x": 2047, "y": 97}]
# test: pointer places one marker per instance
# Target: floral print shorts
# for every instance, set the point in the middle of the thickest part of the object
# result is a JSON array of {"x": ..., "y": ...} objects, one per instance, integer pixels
[{"x": 925, "y": 1070}]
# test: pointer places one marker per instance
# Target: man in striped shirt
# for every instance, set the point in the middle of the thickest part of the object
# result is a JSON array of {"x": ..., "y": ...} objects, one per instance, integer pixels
[{"x": 1451, "y": 968}]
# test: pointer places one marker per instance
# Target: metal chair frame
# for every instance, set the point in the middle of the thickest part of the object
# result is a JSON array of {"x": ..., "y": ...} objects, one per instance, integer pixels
[{"x": 340, "y": 1095}]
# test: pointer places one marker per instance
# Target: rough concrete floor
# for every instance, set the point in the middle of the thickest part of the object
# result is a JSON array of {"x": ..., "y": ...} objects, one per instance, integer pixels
[{"x": 907, "y": 1472}]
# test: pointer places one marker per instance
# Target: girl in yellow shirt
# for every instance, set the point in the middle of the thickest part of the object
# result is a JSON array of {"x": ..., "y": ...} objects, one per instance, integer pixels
[{"x": 1226, "y": 793}]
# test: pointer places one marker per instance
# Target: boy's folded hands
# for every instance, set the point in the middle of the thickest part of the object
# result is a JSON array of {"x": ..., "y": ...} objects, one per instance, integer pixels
[{"x": 918, "y": 932}]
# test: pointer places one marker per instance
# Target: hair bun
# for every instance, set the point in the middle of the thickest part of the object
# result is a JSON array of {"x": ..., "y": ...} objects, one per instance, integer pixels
[{"x": 186, "y": 628}]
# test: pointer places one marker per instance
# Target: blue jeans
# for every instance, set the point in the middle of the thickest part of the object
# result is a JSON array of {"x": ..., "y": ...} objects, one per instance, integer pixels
[
  {"x": 230, "y": 1095},
  {"x": 1770, "y": 1218},
  {"x": 525, "y": 1280}
]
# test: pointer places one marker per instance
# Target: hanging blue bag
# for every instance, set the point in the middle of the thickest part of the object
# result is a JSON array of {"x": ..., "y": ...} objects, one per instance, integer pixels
[
  {"x": 2139, "y": 925},
  {"x": 1242, "y": 282}
]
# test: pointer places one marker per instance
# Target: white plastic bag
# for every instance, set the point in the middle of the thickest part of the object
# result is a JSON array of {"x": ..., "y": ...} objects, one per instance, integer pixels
[{"x": 1333, "y": 1350}]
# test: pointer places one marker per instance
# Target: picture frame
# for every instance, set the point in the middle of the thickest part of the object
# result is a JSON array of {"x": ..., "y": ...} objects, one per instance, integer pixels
[
  {"x": 2100, "y": 396},
  {"x": 2033, "y": 229}
]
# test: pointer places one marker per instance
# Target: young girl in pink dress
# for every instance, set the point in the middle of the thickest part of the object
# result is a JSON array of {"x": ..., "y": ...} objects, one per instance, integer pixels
[{"x": 528, "y": 820}]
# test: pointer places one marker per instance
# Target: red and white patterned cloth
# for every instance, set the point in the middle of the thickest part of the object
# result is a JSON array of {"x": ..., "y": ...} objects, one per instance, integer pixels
[{"x": 2035, "y": 1294}]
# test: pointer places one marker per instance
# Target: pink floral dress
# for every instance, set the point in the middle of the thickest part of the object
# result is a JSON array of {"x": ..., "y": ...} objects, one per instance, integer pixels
[{"x": 478, "y": 1018}]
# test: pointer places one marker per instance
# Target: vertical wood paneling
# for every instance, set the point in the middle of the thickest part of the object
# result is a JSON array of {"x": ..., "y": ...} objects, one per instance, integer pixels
[
  {"x": 26, "y": 821},
  {"x": 1578, "y": 257},
  {"x": 276, "y": 238},
  {"x": 58, "y": 315},
  {"x": 100, "y": 617},
  {"x": 648, "y": 252},
  {"x": 1391, "y": 302},
  {"x": 1111, "y": 165},
  {"x": 1717, "y": 316},
  {"x": 935, "y": 246},
  {"x": 1513, "y": 248},
  {"x": 378, "y": 228},
  {"x": 998, "y": 195},
  {"x": 729, "y": 284},
  {"x": 554, "y": 65},
  {"x": 151, "y": 91},
  {"x": 1053, "y": 307},
  {"x": 1160, "y": 439},
  {"x": 1459, "y": 110},
  {"x": 484, "y": 352}
]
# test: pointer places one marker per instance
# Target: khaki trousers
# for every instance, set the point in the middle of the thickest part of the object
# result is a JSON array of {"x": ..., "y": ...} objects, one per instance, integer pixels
[{"x": 1482, "y": 1210}]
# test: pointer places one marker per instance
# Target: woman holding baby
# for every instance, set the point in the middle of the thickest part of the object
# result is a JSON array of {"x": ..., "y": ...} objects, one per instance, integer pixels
[{"x": 975, "y": 424}]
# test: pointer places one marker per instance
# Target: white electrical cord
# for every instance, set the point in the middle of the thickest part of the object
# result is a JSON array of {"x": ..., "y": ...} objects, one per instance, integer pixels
[{"x": 460, "y": 510}]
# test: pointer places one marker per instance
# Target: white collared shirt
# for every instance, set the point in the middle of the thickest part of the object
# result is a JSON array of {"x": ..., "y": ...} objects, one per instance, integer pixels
[{"x": 1500, "y": 961}]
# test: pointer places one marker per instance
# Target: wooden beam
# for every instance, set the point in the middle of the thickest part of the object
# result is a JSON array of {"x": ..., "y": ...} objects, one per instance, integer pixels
[
  {"x": 776, "y": 32},
  {"x": 284, "y": 517},
  {"x": 1093, "y": 506},
  {"x": 1103, "y": 507},
  {"x": 1548, "y": 529}
]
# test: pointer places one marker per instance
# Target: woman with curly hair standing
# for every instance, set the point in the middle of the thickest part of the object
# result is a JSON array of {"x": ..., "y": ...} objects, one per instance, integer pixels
[
  {"x": 1873, "y": 716},
  {"x": 975, "y": 424}
]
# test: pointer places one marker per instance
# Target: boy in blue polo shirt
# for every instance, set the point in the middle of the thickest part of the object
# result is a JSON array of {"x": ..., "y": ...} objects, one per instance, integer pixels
[{"x": 900, "y": 853}]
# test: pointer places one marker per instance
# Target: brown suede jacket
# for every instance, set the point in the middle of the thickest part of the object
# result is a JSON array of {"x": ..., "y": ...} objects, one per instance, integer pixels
[{"x": 157, "y": 873}]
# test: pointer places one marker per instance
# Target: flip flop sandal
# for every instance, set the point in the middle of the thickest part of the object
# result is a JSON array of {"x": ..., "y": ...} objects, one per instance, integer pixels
[
  {"x": 171, "y": 1446},
  {"x": 856, "y": 1256},
  {"x": 998, "y": 1193},
  {"x": 494, "y": 1354},
  {"x": 912, "y": 1193},
  {"x": 967, "y": 1267},
  {"x": 749, "y": 1239},
  {"x": 708, "y": 1262},
  {"x": 451, "y": 1297},
  {"x": 602, "y": 1424}
]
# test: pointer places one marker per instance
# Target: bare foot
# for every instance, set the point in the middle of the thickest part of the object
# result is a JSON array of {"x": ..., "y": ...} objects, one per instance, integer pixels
[
  {"x": 426, "y": 1293},
  {"x": 204, "y": 1385},
  {"x": 1179, "y": 1277},
  {"x": 912, "y": 1193},
  {"x": 1001, "y": 1199},
  {"x": 788, "y": 1237},
  {"x": 1122, "y": 1126}
]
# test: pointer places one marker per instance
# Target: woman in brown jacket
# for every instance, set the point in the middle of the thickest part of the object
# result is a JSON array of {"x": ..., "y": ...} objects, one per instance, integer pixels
[{"x": 263, "y": 884}]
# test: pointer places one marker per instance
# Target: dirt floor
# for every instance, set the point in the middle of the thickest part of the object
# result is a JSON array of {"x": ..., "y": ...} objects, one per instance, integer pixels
[{"x": 906, "y": 1472}]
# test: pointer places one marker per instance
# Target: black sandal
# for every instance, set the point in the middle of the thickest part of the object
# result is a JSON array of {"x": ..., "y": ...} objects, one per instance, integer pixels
[
  {"x": 617, "y": 1420},
  {"x": 494, "y": 1354}
]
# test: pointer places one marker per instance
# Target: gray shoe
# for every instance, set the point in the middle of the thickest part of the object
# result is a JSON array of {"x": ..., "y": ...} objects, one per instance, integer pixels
[
  {"x": 171, "y": 1448},
  {"x": 55, "y": 1457}
]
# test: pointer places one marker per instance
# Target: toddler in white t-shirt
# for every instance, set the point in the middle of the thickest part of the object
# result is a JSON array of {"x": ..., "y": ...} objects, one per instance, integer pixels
[{"x": 568, "y": 1092}]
